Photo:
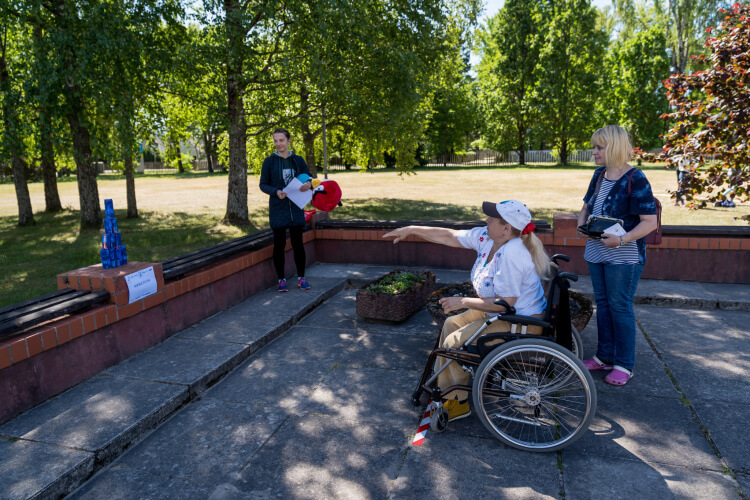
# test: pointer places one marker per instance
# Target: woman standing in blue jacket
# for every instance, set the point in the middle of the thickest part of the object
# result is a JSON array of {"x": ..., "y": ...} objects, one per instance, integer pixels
[
  {"x": 619, "y": 191},
  {"x": 278, "y": 170}
]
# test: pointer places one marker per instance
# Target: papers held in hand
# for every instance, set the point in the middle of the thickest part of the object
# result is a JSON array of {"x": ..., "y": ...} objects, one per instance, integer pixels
[{"x": 299, "y": 198}]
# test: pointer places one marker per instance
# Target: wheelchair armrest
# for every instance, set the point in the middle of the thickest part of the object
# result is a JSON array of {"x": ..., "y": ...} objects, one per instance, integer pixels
[
  {"x": 523, "y": 320},
  {"x": 509, "y": 309}
]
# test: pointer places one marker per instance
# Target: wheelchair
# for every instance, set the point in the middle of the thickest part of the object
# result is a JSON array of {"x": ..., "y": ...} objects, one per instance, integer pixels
[{"x": 532, "y": 392}]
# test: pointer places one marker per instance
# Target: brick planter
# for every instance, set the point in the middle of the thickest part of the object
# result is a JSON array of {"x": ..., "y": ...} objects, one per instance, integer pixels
[{"x": 375, "y": 306}]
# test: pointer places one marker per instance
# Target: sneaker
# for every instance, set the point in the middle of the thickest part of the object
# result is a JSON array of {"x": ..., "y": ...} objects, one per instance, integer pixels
[
  {"x": 457, "y": 409},
  {"x": 303, "y": 284},
  {"x": 282, "y": 286}
]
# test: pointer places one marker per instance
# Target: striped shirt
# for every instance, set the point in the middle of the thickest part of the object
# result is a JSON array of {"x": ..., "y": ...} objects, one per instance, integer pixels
[{"x": 596, "y": 251}]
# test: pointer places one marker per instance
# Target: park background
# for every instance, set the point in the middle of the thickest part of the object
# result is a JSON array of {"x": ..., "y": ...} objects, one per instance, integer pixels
[{"x": 420, "y": 110}]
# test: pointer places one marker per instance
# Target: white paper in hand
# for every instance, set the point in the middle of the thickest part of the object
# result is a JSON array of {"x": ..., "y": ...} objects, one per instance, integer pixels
[
  {"x": 299, "y": 198},
  {"x": 616, "y": 229}
]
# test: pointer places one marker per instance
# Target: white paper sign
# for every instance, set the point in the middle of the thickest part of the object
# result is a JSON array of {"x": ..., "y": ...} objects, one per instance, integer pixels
[
  {"x": 141, "y": 284},
  {"x": 615, "y": 229},
  {"x": 300, "y": 198}
]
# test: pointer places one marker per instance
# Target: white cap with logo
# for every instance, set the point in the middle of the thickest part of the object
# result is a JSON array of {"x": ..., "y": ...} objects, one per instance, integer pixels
[{"x": 513, "y": 212}]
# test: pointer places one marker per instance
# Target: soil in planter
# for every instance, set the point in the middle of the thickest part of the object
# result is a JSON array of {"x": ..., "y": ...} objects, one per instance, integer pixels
[{"x": 436, "y": 310}]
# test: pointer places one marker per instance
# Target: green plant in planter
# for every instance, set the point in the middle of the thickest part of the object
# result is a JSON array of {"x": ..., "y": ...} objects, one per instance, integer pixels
[{"x": 396, "y": 284}]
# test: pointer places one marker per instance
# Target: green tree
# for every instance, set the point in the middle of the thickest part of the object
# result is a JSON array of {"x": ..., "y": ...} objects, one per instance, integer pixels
[
  {"x": 634, "y": 94},
  {"x": 709, "y": 116},
  {"x": 570, "y": 64},
  {"x": 14, "y": 40},
  {"x": 509, "y": 77}
]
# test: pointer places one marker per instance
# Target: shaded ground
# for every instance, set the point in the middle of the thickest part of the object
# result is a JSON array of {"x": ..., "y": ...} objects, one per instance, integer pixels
[{"x": 323, "y": 412}]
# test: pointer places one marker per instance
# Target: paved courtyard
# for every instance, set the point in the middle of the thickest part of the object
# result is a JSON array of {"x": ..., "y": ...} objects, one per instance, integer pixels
[{"x": 322, "y": 411}]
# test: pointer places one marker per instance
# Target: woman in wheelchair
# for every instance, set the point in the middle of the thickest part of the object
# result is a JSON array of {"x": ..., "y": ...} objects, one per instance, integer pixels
[{"x": 510, "y": 264}]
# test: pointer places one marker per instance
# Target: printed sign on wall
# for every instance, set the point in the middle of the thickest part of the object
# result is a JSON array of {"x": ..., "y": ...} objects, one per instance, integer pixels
[{"x": 141, "y": 284}]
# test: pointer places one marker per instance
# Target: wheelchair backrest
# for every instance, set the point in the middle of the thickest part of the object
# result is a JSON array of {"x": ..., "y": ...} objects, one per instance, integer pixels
[{"x": 557, "y": 313}]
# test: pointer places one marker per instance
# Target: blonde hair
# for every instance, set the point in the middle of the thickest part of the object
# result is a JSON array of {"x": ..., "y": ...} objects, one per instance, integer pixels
[
  {"x": 615, "y": 141},
  {"x": 535, "y": 247}
]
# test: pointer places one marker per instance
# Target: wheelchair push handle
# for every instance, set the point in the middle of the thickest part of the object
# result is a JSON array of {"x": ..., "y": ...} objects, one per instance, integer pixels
[
  {"x": 560, "y": 256},
  {"x": 509, "y": 309},
  {"x": 569, "y": 276}
]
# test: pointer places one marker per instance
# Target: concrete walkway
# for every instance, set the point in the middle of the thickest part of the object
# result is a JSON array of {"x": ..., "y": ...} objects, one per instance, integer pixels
[{"x": 294, "y": 396}]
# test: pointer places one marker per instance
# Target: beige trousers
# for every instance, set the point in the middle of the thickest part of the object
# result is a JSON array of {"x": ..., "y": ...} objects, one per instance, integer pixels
[{"x": 456, "y": 331}]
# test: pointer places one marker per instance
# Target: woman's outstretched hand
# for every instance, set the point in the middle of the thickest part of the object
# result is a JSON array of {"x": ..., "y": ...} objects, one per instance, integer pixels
[{"x": 399, "y": 234}]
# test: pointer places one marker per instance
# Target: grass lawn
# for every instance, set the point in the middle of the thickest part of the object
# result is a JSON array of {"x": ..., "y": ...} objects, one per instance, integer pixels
[{"x": 180, "y": 213}]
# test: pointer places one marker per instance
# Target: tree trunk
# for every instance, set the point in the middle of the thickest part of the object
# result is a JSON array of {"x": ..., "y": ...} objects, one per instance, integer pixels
[
  {"x": 130, "y": 186},
  {"x": 47, "y": 151},
  {"x": 209, "y": 151},
  {"x": 180, "y": 168},
  {"x": 49, "y": 170},
  {"x": 237, "y": 212},
  {"x": 88, "y": 191},
  {"x": 308, "y": 137},
  {"x": 12, "y": 141},
  {"x": 521, "y": 144}
]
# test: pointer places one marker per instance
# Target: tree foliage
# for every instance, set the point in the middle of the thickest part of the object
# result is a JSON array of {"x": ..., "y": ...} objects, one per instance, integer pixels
[
  {"x": 509, "y": 76},
  {"x": 570, "y": 62},
  {"x": 635, "y": 67},
  {"x": 710, "y": 117}
]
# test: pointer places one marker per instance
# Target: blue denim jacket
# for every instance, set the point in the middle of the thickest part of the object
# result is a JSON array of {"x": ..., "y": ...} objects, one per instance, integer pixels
[{"x": 621, "y": 206}]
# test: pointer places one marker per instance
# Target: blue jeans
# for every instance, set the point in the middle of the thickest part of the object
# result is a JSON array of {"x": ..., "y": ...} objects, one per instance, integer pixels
[{"x": 614, "y": 289}]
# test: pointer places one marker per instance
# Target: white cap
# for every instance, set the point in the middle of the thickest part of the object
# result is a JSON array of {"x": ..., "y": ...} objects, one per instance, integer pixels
[{"x": 513, "y": 212}]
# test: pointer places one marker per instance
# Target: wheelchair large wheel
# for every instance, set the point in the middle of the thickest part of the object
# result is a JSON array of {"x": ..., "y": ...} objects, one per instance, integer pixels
[
  {"x": 534, "y": 395},
  {"x": 577, "y": 342}
]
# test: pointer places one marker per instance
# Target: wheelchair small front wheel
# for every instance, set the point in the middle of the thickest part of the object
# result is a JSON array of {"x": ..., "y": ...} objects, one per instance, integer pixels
[
  {"x": 534, "y": 395},
  {"x": 438, "y": 420}
]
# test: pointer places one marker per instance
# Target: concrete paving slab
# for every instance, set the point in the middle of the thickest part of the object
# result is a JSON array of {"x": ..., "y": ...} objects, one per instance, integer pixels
[
  {"x": 268, "y": 379},
  {"x": 475, "y": 468},
  {"x": 187, "y": 446},
  {"x": 390, "y": 351},
  {"x": 744, "y": 482},
  {"x": 63, "y": 468},
  {"x": 271, "y": 312},
  {"x": 361, "y": 274},
  {"x": 729, "y": 296},
  {"x": 737, "y": 320},
  {"x": 367, "y": 396},
  {"x": 340, "y": 312},
  {"x": 649, "y": 379},
  {"x": 727, "y": 426},
  {"x": 590, "y": 337},
  {"x": 320, "y": 457},
  {"x": 720, "y": 378},
  {"x": 103, "y": 414},
  {"x": 590, "y": 477},
  {"x": 691, "y": 331},
  {"x": 120, "y": 482},
  {"x": 193, "y": 363},
  {"x": 648, "y": 429},
  {"x": 313, "y": 344}
]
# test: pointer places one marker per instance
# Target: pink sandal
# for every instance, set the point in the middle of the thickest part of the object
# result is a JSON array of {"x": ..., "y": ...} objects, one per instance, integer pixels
[
  {"x": 619, "y": 376},
  {"x": 595, "y": 363}
]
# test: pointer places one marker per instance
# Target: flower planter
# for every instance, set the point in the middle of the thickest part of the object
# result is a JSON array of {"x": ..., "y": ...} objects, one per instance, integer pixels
[
  {"x": 581, "y": 308},
  {"x": 374, "y": 304}
]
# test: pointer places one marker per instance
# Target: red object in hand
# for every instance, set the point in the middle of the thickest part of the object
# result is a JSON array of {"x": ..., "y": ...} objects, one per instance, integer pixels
[{"x": 327, "y": 196}]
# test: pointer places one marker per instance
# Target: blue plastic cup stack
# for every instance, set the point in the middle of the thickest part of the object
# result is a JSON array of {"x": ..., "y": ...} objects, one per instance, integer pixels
[{"x": 113, "y": 252}]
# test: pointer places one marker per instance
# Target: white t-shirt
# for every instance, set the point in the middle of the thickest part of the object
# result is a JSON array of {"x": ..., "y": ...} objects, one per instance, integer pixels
[{"x": 510, "y": 273}]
